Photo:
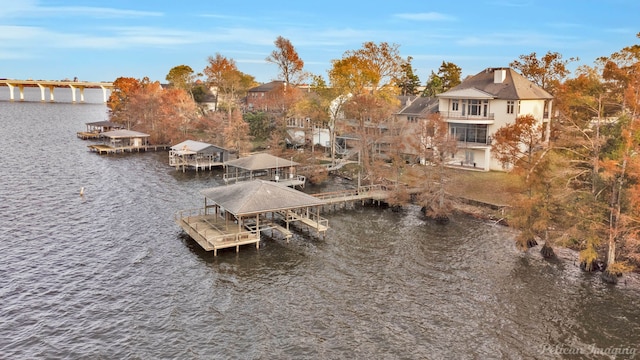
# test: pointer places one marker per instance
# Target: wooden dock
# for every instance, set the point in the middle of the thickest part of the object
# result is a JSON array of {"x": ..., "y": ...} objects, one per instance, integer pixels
[
  {"x": 370, "y": 192},
  {"x": 106, "y": 149},
  {"x": 88, "y": 135},
  {"x": 213, "y": 232}
]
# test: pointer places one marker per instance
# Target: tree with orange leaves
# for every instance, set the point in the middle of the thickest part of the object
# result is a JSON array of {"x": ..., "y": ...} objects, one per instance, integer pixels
[
  {"x": 288, "y": 61},
  {"x": 236, "y": 134},
  {"x": 230, "y": 84},
  {"x": 521, "y": 146},
  {"x": 123, "y": 88}
]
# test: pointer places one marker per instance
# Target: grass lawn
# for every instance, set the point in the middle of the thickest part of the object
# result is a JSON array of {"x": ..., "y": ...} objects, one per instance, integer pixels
[{"x": 491, "y": 187}]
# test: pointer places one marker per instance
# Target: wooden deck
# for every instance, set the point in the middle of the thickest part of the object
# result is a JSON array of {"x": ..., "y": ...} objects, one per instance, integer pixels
[
  {"x": 297, "y": 180},
  {"x": 197, "y": 165},
  {"x": 266, "y": 225},
  {"x": 312, "y": 221},
  {"x": 87, "y": 135},
  {"x": 106, "y": 149},
  {"x": 212, "y": 232},
  {"x": 372, "y": 192}
]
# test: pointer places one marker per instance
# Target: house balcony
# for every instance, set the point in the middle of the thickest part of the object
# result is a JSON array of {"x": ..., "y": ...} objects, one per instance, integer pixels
[
  {"x": 474, "y": 143},
  {"x": 458, "y": 116}
]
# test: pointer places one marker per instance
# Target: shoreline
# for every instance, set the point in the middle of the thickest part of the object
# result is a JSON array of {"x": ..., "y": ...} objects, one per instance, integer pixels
[{"x": 563, "y": 254}]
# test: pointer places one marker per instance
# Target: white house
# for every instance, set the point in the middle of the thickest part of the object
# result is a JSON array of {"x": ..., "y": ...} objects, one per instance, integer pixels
[{"x": 483, "y": 103}]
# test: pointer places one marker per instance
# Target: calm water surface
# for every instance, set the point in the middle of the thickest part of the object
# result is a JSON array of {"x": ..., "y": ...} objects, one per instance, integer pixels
[{"x": 110, "y": 276}]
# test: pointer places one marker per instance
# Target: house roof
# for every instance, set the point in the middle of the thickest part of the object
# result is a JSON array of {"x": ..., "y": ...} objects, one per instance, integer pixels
[
  {"x": 259, "y": 196},
  {"x": 190, "y": 145},
  {"x": 420, "y": 106},
  {"x": 513, "y": 87},
  {"x": 115, "y": 134},
  {"x": 261, "y": 161},
  {"x": 267, "y": 87},
  {"x": 468, "y": 93},
  {"x": 193, "y": 147}
]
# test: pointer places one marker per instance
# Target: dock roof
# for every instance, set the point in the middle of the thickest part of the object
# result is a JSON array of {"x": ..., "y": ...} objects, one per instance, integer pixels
[
  {"x": 262, "y": 161},
  {"x": 124, "y": 134},
  {"x": 259, "y": 196},
  {"x": 105, "y": 124}
]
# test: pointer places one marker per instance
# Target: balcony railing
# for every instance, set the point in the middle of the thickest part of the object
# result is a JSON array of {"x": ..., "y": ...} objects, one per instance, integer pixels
[
  {"x": 458, "y": 115},
  {"x": 474, "y": 142}
]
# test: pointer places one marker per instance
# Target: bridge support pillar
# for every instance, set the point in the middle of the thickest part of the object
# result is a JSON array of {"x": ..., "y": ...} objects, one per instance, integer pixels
[
  {"x": 41, "y": 92},
  {"x": 10, "y": 91},
  {"x": 51, "y": 97},
  {"x": 73, "y": 93},
  {"x": 104, "y": 93}
]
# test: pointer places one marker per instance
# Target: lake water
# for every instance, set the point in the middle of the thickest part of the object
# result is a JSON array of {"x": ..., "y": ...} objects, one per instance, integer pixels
[{"x": 110, "y": 276}]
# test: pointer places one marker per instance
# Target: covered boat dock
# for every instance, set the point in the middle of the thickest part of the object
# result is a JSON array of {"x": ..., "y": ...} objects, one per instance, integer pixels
[
  {"x": 191, "y": 154},
  {"x": 266, "y": 167},
  {"x": 96, "y": 128},
  {"x": 119, "y": 141},
  {"x": 235, "y": 215}
]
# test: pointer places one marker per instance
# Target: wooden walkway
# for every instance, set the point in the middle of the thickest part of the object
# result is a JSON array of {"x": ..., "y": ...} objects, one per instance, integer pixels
[
  {"x": 106, "y": 149},
  {"x": 370, "y": 192},
  {"x": 297, "y": 180}
]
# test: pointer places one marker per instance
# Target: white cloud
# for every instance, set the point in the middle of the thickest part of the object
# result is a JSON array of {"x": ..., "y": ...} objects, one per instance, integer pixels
[{"x": 31, "y": 9}]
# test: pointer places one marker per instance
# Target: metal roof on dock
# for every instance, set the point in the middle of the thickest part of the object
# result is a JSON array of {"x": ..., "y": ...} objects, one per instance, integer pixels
[
  {"x": 259, "y": 196},
  {"x": 261, "y": 161}
]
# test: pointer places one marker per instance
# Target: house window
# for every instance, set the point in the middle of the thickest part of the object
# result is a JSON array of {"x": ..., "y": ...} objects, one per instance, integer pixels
[
  {"x": 478, "y": 107},
  {"x": 510, "y": 106},
  {"x": 471, "y": 133},
  {"x": 519, "y": 106},
  {"x": 455, "y": 105}
]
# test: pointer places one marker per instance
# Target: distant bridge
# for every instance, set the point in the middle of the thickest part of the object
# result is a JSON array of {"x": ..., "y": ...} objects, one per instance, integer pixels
[{"x": 52, "y": 84}]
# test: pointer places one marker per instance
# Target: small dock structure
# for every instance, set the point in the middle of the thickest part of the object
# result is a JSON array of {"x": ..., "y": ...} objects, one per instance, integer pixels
[
  {"x": 95, "y": 129},
  {"x": 197, "y": 155},
  {"x": 266, "y": 167},
  {"x": 119, "y": 141},
  {"x": 237, "y": 214}
]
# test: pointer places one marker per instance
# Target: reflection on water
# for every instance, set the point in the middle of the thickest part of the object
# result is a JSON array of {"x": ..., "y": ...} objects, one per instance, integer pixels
[{"x": 110, "y": 275}]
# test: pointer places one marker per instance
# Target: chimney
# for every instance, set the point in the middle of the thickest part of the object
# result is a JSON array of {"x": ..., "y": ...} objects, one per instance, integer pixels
[{"x": 499, "y": 75}]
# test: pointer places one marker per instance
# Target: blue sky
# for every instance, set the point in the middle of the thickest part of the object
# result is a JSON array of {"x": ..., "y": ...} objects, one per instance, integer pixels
[{"x": 103, "y": 40}]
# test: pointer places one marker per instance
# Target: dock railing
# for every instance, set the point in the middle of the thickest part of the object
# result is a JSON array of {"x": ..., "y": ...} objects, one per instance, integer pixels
[
  {"x": 351, "y": 194},
  {"x": 206, "y": 228}
]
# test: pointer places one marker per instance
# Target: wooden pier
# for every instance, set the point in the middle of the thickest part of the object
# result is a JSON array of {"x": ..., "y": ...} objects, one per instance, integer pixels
[
  {"x": 107, "y": 149},
  {"x": 237, "y": 214},
  {"x": 369, "y": 192},
  {"x": 213, "y": 232}
]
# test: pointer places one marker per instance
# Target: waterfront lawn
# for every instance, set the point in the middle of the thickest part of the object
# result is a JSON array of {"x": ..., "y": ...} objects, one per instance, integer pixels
[{"x": 493, "y": 187}]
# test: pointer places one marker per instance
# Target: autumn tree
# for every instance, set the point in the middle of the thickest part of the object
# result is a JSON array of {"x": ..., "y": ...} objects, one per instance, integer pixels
[
  {"x": 230, "y": 84},
  {"x": 434, "y": 146},
  {"x": 546, "y": 72},
  {"x": 281, "y": 101},
  {"x": 236, "y": 134},
  {"x": 288, "y": 61},
  {"x": 166, "y": 115},
  {"x": 123, "y": 87},
  {"x": 520, "y": 146},
  {"x": 365, "y": 79}
]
